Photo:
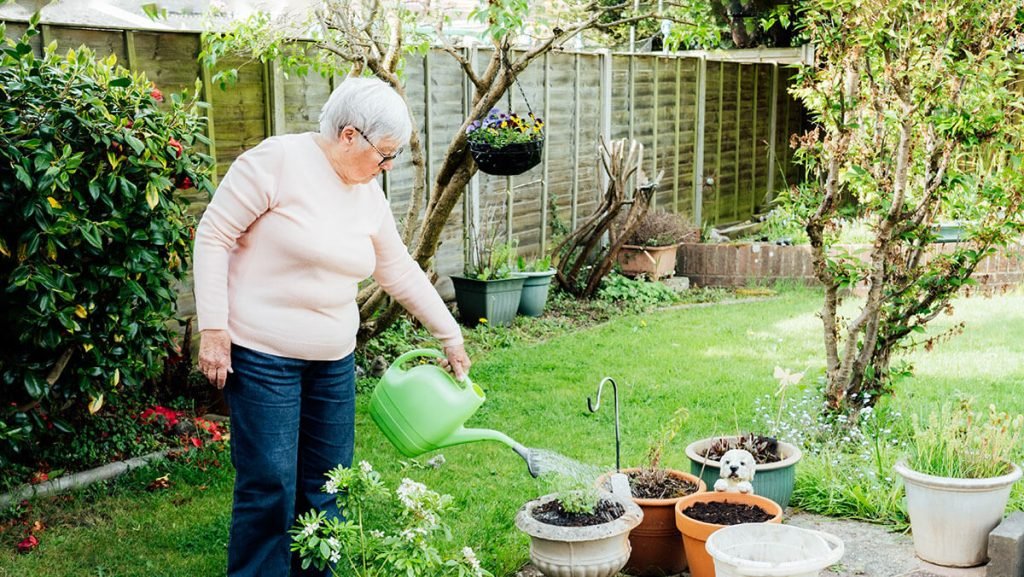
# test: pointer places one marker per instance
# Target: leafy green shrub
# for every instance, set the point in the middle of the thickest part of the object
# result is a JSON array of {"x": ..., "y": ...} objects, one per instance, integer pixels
[
  {"x": 93, "y": 238},
  {"x": 959, "y": 442},
  {"x": 636, "y": 294}
]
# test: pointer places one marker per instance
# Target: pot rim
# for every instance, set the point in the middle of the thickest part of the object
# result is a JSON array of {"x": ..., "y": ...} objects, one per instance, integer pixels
[
  {"x": 630, "y": 518},
  {"x": 955, "y": 483},
  {"x": 702, "y": 487},
  {"x": 536, "y": 273},
  {"x": 643, "y": 247},
  {"x": 792, "y": 453},
  {"x": 694, "y": 526}
]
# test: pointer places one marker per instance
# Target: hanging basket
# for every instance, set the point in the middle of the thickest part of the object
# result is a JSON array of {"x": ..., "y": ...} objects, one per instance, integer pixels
[{"x": 509, "y": 160}]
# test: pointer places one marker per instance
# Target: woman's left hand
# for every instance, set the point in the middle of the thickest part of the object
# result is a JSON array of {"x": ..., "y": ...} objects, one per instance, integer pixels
[{"x": 457, "y": 362}]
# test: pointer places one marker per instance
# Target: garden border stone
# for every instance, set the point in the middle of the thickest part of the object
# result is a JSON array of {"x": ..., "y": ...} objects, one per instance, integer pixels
[
  {"x": 1006, "y": 548},
  {"x": 81, "y": 479}
]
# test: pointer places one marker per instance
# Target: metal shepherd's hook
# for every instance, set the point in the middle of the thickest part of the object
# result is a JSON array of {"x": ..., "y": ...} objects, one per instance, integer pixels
[{"x": 593, "y": 407}]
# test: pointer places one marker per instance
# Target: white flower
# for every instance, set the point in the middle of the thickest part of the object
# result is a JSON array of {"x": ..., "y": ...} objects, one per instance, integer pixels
[
  {"x": 410, "y": 492},
  {"x": 333, "y": 543},
  {"x": 310, "y": 528},
  {"x": 365, "y": 467},
  {"x": 331, "y": 486},
  {"x": 436, "y": 462},
  {"x": 377, "y": 534},
  {"x": 470, "y": 556},
  {"x": 335, "y": 557},
  {"x": 408, "y": 535}
]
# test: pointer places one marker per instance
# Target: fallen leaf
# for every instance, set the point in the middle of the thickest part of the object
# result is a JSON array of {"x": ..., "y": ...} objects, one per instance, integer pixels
[{"x": 160, "y": 483}]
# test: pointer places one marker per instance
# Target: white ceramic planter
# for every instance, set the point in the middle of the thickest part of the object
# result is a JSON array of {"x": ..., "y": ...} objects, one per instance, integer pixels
[
  {"x": 594, "y": 551},
  {"x": 951, "y": 518}
]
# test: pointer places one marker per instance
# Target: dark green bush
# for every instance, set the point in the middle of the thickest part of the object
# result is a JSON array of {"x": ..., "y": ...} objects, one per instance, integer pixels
[{"x": 93, "y": 237}]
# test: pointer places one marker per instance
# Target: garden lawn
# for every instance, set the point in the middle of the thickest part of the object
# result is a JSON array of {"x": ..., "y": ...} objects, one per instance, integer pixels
[{"x": 713, "y": 360}]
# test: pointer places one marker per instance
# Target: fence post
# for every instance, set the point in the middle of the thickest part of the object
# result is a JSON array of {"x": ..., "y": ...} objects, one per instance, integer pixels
[
  {"x": 574, "y": 199},
  {"x": 606, "y": 108},
  {"x": 547, "y": 148},
  {"x": 753, "y": 149},
  {"x": 654, "y": 129},
  {"x": 718, "y": 151},
  {"x": 772, "y": 129},
  {"x": 679, "y": 107},
  {"x": 698, "y": 141},
  {"x": 204, "y": 73},
  {"x": 427, "y": 141},
  {"x": 736, "y": 156},
  {"x": 471, "y": 197},
  {"x": 129, "y": 50}
]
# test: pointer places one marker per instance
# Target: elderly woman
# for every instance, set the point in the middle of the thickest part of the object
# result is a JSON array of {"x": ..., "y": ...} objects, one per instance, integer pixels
[{"x": 295, "y": 225}]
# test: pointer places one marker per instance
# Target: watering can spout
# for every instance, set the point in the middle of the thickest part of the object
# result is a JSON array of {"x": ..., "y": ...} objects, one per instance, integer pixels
[{"x": 463, "y": 435}]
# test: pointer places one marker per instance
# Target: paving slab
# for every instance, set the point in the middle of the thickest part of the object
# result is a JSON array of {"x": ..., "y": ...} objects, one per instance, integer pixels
[{"x": 870, "y": 551}]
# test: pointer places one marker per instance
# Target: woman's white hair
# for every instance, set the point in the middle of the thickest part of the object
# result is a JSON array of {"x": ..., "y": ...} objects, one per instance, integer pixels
[{"x": 370, "y": 105}]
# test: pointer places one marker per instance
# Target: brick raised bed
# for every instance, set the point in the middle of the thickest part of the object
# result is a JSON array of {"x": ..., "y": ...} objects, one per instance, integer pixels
[{"x": 734, "y": 265}]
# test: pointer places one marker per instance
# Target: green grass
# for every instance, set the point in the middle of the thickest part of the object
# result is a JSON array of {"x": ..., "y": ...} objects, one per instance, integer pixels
[{"x": 715, "y": 360}]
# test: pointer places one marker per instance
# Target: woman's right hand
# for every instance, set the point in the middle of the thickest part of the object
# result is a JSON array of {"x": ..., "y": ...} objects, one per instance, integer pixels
[{"x": 215, "y": 356}]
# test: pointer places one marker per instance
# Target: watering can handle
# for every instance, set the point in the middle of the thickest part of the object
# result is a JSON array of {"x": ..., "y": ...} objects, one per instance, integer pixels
[{"x": 420, "y": 353}]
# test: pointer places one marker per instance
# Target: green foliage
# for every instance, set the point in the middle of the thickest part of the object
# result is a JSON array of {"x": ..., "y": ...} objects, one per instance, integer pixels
[
  {"x": 492, "y": 255},
  {"x": 634, "y": 293},
  {"x": 960, "y": 442},
  {"x": 94, "y": 238},
  {"x": 538, "y": 264},
  {"x": 401, "y": 539},
  {"x": 577, "y": 493},
  {"x": 917, "y": 114}
]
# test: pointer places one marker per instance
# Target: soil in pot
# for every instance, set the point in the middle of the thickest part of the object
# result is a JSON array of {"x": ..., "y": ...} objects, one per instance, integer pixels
[
  {"x": 552, "y": 513},
  {"x": 764, "y": 449},
  {"x": 722, "y": 513},
  {"x": 658, "y": 484}
]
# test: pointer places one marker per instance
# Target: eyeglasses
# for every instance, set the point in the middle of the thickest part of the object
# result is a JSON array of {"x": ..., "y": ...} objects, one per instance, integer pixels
[{"x": 383, "y": 157}]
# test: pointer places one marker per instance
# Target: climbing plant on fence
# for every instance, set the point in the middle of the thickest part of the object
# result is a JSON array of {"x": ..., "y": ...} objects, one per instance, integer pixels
[{"x": 93, "y": 237}]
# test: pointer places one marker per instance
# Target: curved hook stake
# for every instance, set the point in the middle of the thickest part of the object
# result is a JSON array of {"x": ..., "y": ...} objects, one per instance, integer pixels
[{"x": 593, "y": 407}]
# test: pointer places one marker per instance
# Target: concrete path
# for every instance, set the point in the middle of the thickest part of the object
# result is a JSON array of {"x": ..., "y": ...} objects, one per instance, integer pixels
[{"x": 871, "y": 551}]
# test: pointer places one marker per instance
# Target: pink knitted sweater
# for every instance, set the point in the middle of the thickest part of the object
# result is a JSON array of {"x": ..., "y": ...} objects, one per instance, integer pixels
[{"x": 283, "y": 246}]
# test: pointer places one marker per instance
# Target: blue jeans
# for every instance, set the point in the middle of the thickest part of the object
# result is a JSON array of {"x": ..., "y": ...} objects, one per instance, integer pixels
[{"x": 291, "y": 422}]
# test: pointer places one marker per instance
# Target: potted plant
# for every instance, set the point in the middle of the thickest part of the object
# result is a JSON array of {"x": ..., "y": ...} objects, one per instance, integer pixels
[
  {"x": 538, "y": 273},
  {"x": 651, "y": 248},
  {"x": 506, "y": 144},
  {"x": 774, "y": 474},
  {"x": 958, "y": 477},
  {"x": 489, "y": 291},
  {"x": 701, "y": 514},
  {"x": 657, "y": 490},
  {"x": 775, "y": 469},
  {"x": 579, "y": 531}
]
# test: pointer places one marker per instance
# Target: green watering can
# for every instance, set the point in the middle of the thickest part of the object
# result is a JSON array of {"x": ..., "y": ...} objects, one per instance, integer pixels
[{"x": 423, "y": 408}]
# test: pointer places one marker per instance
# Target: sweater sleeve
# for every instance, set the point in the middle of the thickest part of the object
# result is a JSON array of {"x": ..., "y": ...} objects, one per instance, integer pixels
[
  {"x": 400, "y": 275},
  {"x": 247, "y": 191}
]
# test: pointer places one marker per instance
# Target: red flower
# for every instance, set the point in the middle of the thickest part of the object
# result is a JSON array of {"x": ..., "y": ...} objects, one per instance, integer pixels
[
  {"x": 131, "y": 123},
  {"x": 158, "y": 414},
  {"x": 196, "y": 442},
  {"x": 156, "y": 94},
  {"x": 28, "y": 544},
  {"x": 175, "y": 145},
  {"x": 39, "y": 477},
  {"x": 185, "y": 184}
]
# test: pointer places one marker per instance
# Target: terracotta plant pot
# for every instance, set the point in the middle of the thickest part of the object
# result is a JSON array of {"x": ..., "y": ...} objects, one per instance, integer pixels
[
  {"x": 696, "y": 533},
  {"x": 653, "y": 261},
  {"x": 655, "y": 540},
  {"x": 772, "y": 480},
  {"x": 592, "y": 551}
]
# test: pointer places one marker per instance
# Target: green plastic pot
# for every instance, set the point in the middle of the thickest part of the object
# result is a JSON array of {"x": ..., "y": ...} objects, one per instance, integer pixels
[
  {"x": 494, "y": 300},
  {"x": 535, "y": 292},
  {"x": 772, "y": 480}
]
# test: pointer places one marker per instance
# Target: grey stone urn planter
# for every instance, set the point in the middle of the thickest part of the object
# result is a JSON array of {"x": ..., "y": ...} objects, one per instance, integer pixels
[{"x": 593, "y": 551}]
